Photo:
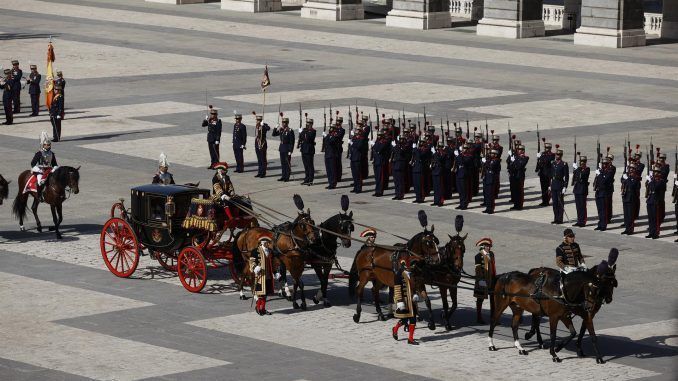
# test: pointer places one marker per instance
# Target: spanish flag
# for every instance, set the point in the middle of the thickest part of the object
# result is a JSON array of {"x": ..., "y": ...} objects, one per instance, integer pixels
[
  {"x": 49, "y": 82},
  {"x": 266, "y": 80}
]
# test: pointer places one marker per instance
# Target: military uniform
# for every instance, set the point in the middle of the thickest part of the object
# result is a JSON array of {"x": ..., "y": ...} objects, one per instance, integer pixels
[
  {"x": 601, "y": 187},
  {"x": 421, "y": 159},
  {"x": 463, "y": 172},
  {"x": 307, "y": 149},
  {"x": 56, "y": 113},
  {"x": 568, "y": 254},
  {"x": 331, "y": 156},
  {"x": 163, "y": 176},
  {"x": 476, "y": 151},
  {"x": 261, "y": 146},
  {"x": 213, "y": 124},
  {"x": 7, "y": 96},
  {"x": 438, "y": 174},
  {"x": 559, "y": 179},
  {"x": 485, "y": 276},
  {"x": 656, "y": 188},
  {"x": 544, "y": 160},
  {"x": 516, "y": 169},
  {"x": 17, "y": 73},
  {"x": 448, "y": 167},
  {"x": 400, "y": 165},
  {"x": 491, "y": 180},
  {"x": 630, "y": 193},
  {"x": 380, "y": 155},
  {"x": 610, "y": 191},
  {"x": 42, "y": 165},
  {"x": 239, "y": 143},
  {"x": 356, "y": 148},
  {"x": 60, "y": 81},
  {"x": 34, "y": 90},
  {"x": 286, "y": 148},
  {"x": 341, "y": 132},
  {"x": 580, "y": 188}
]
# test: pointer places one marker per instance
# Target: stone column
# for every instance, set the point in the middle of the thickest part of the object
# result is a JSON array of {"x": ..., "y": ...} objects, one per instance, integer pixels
[
  {"x": 611, "y": 23},
  {"x": 512, "y": 19},
  {"x": 670, "y": 19},
  {"x": 420, "y": 14},
  {"x": 333, "y": 10},
  {"x": 252, "y": 6}
]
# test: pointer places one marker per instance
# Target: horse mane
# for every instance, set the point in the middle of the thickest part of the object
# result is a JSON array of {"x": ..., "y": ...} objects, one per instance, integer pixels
[
  {"x": 574, "y": 282},
  {"x": 416, "y": 238},
  {"x": 61, "y": 174}
]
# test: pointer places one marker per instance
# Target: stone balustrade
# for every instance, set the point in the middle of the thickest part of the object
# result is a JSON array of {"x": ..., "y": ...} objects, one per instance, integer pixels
[
  {"x": 461, "y": 8},
  {"x": 553, "y": 14},
  {"x": 653, "y": 23}
]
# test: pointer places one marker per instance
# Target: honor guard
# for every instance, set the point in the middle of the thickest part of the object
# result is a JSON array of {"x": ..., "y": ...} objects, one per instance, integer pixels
[
  {"x": 213, "y": 124},
  {"x": 388, "y": 136},
  {"x": 56, "y": 113},
  {"x": 665, "y": 168},
  {"x": 485, "y": 274},
  {"x": 496, "y": 146},
  {"x": 261, "y": 263},
  {"x": 405, "y": 300},
  {"x": 163, "y": 176},
  {"x": 400, "y": 165},
  {"x": 448, "y": 167},
  {"x": 491, "y": 179},
  {"x": 411, "y": 139},
  {"x": 543, "y": 169},
  {"x": 7, "y": 95},
  {"x": 463, "y": 169},
  {"x": 261, "y": 145},
  {"x": 630, "y": 192},
  {"x": 286, "y": 148},
  {"x": 568, "y": 254},
  {"x": 560, "y": 177},
  {"x": 580, "y": 188},
  {"x": 656, "y": 188},
  {"x": 34, "y": 90},
  {"x": 357, "y": 145},
  {"x": 380, "y": 155},
  {"x": 239, "y": 143},
  {"x": 516, "y": 169},
  {"x": 330, "y": 139},
  {"x": 602, "y": 186},
  {"x": 44, "y": 162},
  {"x": 476, "y": 151},
  {"x": 365, "y": 162},
  {"x": 675, "y": 194},
  {"x": 17, "y": 74},
  {"x": 60, "y": 81},
  {"x": 307, "y": 149},
  {"x": 341, "y": 132},
  {"x": 421, "y": 159},
  {"x": 610, "y": 191},
  {"x": 459, "y": 136},
  {"x": 438, "y": 173}
]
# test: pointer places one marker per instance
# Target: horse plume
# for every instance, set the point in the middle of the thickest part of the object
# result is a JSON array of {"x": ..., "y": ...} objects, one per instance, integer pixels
[
  {"x": 612, "y": 257},
  {"x": 298, "y": 202},
  {"x": 602, "y": 267},
  {"x": 344, "y": 202},
  {"x": 423, "y": 219},
  {"x": 458, "y": 223}
]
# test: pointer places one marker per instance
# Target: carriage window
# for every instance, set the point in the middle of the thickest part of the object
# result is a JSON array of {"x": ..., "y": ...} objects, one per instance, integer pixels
[{"x": 156, "y": 207}]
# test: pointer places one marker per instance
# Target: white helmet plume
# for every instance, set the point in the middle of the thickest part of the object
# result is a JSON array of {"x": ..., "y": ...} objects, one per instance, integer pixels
[{"x": 163, "y": 160}]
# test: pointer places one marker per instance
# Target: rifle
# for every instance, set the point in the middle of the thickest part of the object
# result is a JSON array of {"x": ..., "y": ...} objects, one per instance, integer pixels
[
  {"x": 418, "y": 125},
  {"x": 575, "y": 152},
  {"x": 675, "y": 173},
  {"x": 467, "y": 130},
  {"x": 510, "y": 139},
  {"x": 626, "y": 156},
  {"x": 595, "y": 180},
  {"x": 538, "y": 139},
  {"x": 371, "y": 138},
  {"x": 305, "y": 122},
  {"x": 448, "y": 126},
  {"x": 442, "y": 132},
  {"x": 376, "y": 108},
  {"x": 425, "y": 120},
  {"x": 350, "y": 128},
  {"x": 331, "y": 115},
  {"x": 649, "y": 165},
  {"x": 300, "y": 124},
  {"x": 651, "y": 147},
  {"x": 487, "y": 134},
  {"x": 322, "y": 148}
]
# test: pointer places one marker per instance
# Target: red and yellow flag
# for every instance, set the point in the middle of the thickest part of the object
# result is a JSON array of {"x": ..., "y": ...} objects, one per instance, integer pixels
[
  {"x": 265, "y": 80},
  {"x": 49, "y": 83}
]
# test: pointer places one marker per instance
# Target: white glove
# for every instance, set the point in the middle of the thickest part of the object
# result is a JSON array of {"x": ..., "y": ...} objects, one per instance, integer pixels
[
  {"x": 242, "y": 146},
  {"x": 207, "y": 117},
  {"x": 257, "y": 270},
  {"x": 58, "y": 116},
  {"x": 597, "y": 171},
  {"x": 277, "y": 276},
  {"x": 549, "y": 190},
  {"x": 574, "y": 165},
  {"x": 301, "y": 129},
  {"x": 625, "y": 176},
  {"x": 371, "y": 143},
  {"x": 513, "y": 158},
  {"x": 350, "y": 142},
  {"x": 217, "y": 142},
  {"x": 324, "y": 134},
  {"x": 600, "y": 165},
  {"x": 414, "y": 145},
  {"x": 350, "y": 133},
  {"x": 649, "y": 178},
  {"x": 415, "y": 298},
  {"x": 484, "y": 160},
  {"x": 538, "y": 155},
  {"x": 433, "y": 150},
  {"x": 400, "y": 305},
  {"x": 482, "y": 283},
  {"x": 583, "y": 265},
  {"x": 675, "y": 182},
  {"x": 225, "y": 197},
  {"x": 564, "y": 190},
  {"x": 456, "y": 152},
  {"x": 510, "y": 152},
  {"x": 393, "y": 144}
]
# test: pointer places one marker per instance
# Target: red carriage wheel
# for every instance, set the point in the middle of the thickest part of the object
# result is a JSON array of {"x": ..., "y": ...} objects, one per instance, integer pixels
[
  {"x": 167, "y": 261},
  {"x": 192, "y": 269},
  {"x": 119, "y": 247},
  {"x": 118, "y": 210}
]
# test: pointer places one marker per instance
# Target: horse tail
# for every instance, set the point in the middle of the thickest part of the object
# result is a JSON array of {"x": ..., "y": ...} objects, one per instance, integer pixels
[
  {"x": 353, "y": 277},
  {"x": 19, "y": 205}
]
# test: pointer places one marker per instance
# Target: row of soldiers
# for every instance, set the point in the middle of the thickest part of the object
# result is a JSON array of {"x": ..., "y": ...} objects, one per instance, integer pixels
[
  {"x": 12, "y": 84},
  {"x": 451, "y": 163}
]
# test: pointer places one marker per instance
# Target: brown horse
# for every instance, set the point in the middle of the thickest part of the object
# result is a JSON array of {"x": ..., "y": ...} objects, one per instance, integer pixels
[
  {"x": 4, "y": 189},
  {"x": 290, "y": 240},
  {"x": 608, "y": 282},
  {"x": 62, "y": 180},
  {"x": 524, "y": 292},
  {"x": 445, "y": 275},
  {"x": 375, "y": 264}
]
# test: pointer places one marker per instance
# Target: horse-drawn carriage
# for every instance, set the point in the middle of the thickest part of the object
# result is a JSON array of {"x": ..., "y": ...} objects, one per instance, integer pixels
[{"x": 179, "y": 226}]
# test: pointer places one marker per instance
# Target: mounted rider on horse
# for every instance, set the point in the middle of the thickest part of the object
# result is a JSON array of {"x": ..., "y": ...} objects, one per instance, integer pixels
[{"x": 44, "y": 162}]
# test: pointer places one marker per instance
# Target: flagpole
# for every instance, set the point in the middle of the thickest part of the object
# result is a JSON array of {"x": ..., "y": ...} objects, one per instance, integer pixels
[{"x": 263, "y": 107}]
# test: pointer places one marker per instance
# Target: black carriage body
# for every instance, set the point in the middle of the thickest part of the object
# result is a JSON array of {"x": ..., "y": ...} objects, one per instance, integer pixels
[{"x": 155, "y": 229}]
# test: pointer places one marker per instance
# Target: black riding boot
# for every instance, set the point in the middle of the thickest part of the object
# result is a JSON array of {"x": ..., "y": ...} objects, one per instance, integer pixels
[{"x": 479, "y": 312}]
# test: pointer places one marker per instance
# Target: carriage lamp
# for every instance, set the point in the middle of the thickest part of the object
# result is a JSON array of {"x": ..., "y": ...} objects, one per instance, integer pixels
[{"x": 170, "y": 208}]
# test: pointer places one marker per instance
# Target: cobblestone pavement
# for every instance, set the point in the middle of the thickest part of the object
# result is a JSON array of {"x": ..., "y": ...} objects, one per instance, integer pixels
[{"x": 139, "y": 75}]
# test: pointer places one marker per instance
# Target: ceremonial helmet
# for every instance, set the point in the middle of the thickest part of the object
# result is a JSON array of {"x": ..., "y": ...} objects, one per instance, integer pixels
[
  {"x": 59, "y": 73},
  {"x": 259, "y": 118},
  {"x": 494, "y": 152},
  {"x": 610, "y": 156},
  {"x": 662, "y": 156},
  {"x": 656, "y": 168},
  {"x": 477, "y": 134},
  {"x": 521, "y": 147},
  {"x": 285, "y": 120},
  {"x": 15, "y": 62},
  {"x": 369, "y": 232},
  {"x": 633, "y": 165},
  {"x": 517, "y": 142},
  {"x": 44, "y": 138},
  {"x": 495, "y": 138},
  {"x": 583, "y": 159},
  {"x": 34, "y": 67},
  {"x": 340, "y": 119},
  {"x": 237, "y": 116},
  {"x": 162, "y": 162},
  {"x": 441, "y": 143},
  {"x": 547, "y": 145},
  {"x": 309, "y": 121},
  {"x": 213, "y": 111},
  {"x": 458, "y": 130},
  {"x": 364, "y": 118},
  {"x": 484, "y": 242}
]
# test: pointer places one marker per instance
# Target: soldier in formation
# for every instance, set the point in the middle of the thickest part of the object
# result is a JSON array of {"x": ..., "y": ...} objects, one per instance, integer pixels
[
  {"x": 239, "y": 143},
  {"x": 7, "y": 84},
  {"x": 213, "y": 124},
  {"x": 33, "y": 82},
  {"x": 56, "y": 112},
  {"x": 285, "y": 148},
  {"x": 307, "y": 149},
  {"x": 560, "y": 177},
  {"x": 261, "y": 145},
  {"x": 17, "y": 75}
]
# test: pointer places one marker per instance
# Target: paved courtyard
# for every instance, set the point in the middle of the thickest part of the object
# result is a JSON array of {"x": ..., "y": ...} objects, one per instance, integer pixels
[{"x": 138, "y": 77}]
